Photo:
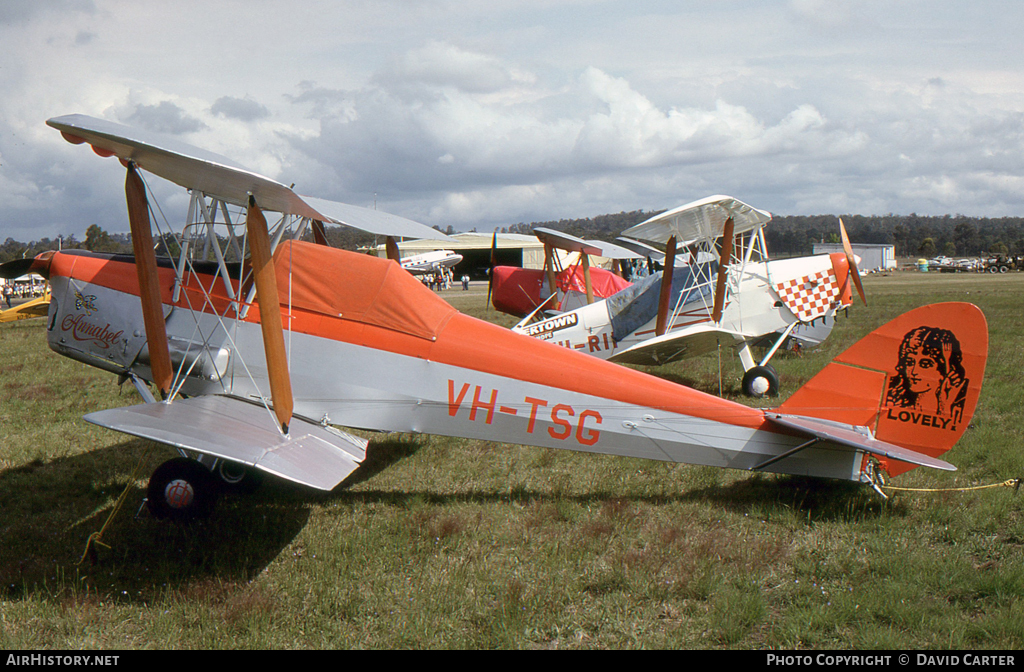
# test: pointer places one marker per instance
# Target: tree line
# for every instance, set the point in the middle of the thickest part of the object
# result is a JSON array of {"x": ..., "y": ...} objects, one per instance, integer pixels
[
  {"x": 790, "y": 235},
  {"x": 786, "y": 235}
]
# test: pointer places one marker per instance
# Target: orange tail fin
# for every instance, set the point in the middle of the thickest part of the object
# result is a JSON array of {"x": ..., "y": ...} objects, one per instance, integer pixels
[{"x": 914, "y": 382}]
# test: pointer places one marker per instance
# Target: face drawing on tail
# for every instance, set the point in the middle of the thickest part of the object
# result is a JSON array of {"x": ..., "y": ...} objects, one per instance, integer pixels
[{"x": 930, "y": 375}]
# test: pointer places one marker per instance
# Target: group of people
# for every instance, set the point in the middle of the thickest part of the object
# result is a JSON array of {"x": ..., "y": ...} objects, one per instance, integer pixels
[
  {"x": 12, "y": 290},
  {"x": 443, "y": 279}
]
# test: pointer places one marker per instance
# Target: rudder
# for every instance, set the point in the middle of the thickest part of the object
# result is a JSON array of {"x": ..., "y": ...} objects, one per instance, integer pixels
[{"x": 914, "y": 381}]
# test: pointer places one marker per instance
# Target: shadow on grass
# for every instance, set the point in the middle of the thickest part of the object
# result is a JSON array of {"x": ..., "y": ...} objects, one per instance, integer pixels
[
  {"x": 382, "y": 454},
  {"x": 812, "y": 500},
  {"x": 48, "y": 510},
  {"x": 816, "y": 499}
]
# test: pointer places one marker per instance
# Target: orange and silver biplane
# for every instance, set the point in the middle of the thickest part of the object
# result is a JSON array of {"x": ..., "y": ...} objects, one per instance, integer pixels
[{"x": 257, "y": 362}]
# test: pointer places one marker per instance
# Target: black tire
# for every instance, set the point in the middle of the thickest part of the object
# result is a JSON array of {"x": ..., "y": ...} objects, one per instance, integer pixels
[
  {"x": 758, "y": 376},
  {"x": 181, "y": 490},
  {"x": 238, "y": 478}
]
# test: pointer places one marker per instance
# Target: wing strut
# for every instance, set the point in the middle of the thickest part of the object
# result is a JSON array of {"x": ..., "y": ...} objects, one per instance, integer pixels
[
  {"x": 319, "y": 234},
  {"x": 391, "y": 249},
  {"x": 549, "y": 267},
  {"x": 490, "y": 270},
  {"x": 666, "y": 286},
  {"x": 149, "y": 285},
  {"x": 585, "y": 259},
  {"x": 723, "y": 270},
  {"x": 270, "y": 314}
]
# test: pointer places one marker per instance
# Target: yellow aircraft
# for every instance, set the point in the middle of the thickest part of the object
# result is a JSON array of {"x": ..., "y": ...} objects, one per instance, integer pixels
[{"x": 37, "y": 307}]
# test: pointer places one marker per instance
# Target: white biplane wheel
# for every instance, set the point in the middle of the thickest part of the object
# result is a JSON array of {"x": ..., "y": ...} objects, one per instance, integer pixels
[
  {"x": 761, "y": 381},
  {"x": 181, "y": 490}
]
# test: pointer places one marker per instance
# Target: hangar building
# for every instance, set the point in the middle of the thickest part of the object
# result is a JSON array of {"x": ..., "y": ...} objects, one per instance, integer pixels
[{"x": 873, "y": 257}]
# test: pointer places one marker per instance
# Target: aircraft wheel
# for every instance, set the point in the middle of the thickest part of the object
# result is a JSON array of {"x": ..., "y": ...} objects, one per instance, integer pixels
[
  {"x": 181, "y": 490},
  {"x": 761, "y": 381},
  {"x": 239, "y": 478}
]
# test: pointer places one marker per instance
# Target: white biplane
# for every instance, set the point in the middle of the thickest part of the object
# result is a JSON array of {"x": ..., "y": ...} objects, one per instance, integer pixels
[
  {"x": 725, "y": 291},
  {"x": 257, "y": 361}
]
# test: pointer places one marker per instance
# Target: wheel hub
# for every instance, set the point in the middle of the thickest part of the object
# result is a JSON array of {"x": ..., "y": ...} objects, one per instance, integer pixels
[{"x": 179, "y": 494}]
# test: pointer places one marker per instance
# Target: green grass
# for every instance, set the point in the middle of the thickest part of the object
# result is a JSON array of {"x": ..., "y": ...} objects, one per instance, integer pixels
[{"x": 446, "y": 543}]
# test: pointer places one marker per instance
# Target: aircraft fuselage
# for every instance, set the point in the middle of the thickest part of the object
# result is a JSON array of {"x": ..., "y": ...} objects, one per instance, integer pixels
[{"x": 457, "y": 376}]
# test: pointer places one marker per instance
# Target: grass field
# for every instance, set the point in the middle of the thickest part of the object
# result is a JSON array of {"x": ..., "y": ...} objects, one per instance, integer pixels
[{"x": 442, "y": 543}]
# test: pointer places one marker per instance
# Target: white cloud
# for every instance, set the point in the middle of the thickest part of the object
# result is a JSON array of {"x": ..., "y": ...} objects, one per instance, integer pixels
[{"x": 483, "y": 114}]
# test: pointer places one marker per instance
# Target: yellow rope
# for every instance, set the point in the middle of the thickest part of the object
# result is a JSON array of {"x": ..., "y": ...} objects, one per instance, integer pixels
[
  {"x": 1011, "y": 483},
  {"x": 96, "y": 537}
]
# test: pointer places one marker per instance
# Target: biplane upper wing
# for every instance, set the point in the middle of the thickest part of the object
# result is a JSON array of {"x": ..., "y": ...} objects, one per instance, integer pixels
[
  {"x": 570, "y": 243},
  {"x": 565, "y": 241},
  {"x": 237, "y": 430},
  {"x": 185, "y": 165},
  {"x": 220, "y": 177},
  {"x": 642, "y": 250},
  {"x": 376, "y": 222},
  {"x": 700, "y": 220},
  {"x": 613, "y": 251}
]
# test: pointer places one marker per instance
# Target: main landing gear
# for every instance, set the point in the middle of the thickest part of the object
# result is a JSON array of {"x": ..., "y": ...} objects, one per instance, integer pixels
[
  {"x": 761, "y": 381},
  {"x": 183, "y": 489}
]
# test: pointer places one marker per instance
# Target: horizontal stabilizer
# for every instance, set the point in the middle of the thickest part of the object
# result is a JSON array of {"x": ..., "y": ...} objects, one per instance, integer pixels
[
  {"x": 240, "y": 431},
  {"x": 855, "y": 437}
]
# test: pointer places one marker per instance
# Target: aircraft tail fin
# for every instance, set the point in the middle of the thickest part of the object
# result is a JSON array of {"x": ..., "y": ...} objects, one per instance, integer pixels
[{"x": 913, "y": 382}]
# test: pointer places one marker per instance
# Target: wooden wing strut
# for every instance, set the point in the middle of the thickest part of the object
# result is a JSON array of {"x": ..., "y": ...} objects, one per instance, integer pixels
[
  {"x": 549, "y": 267},
  {"x": 270, "y": 314},
  {"x": 319, "y": 234},
  {"x": 149, "y": 285},
  {"x": 585, "y": 258},
  {"x": 723, "y": 270},
  {"x": 391, "y": 248},
  {"x": 665, "y": 297}
]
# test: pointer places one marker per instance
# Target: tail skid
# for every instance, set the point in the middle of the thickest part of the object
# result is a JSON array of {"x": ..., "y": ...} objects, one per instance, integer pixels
[{"x": 904, "y": 394}]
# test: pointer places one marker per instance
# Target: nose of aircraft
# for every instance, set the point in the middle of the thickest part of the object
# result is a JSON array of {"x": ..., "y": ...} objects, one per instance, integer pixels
[{"x": 18, "y": 267}]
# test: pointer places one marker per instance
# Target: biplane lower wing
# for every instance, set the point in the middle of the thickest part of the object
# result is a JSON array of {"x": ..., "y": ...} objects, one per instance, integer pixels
[
  {"x": 856, "y": 438},
  {"x": 677, "y": 345},
  {"x": 233, "y": 429}
]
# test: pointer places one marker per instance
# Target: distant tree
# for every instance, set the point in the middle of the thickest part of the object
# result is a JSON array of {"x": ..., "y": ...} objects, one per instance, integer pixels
[
  {"x": 96, "y": 239},
  {"x": 949, "y": 249},
  {"x": 965, "y": 235},
  {"x": 927, "y": 248}
]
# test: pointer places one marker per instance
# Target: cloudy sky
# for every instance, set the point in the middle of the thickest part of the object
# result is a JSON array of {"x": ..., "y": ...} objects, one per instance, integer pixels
[{"x": 483, "y": 114}]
